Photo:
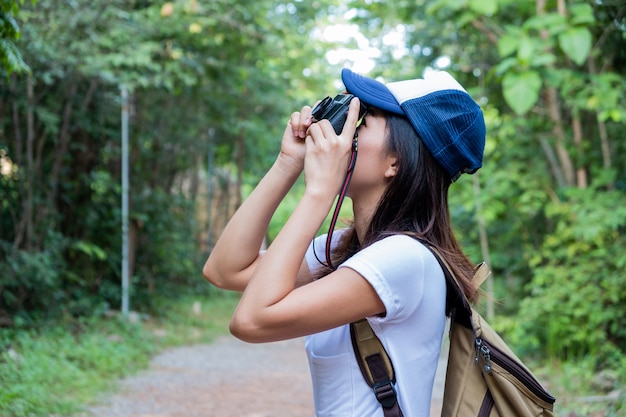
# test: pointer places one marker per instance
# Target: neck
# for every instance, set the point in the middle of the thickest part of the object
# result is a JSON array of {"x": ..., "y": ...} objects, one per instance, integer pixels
[{"x": 363, "y": 213}]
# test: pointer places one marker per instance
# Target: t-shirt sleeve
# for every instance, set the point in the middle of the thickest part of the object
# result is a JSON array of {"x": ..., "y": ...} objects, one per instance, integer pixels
[
  {"x": 396, "y": 267},
  {"x": 316, "y": 254}
]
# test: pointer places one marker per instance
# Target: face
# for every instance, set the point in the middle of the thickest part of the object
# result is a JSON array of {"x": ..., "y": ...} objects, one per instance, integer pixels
[{"x": 374, "y": 165}]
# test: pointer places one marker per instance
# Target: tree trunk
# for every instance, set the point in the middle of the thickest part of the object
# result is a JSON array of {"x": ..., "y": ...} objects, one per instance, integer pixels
[
  {"x": 552, "y": 161},
  {"x": 25, "y": 228},
  {"x": 18, "y": 234},
  {"x": 605, "y": 144},
  {"x": 581, "y": 172},
  {"x": 62, "y": 146},
  {"x": 554, "y": 111}
]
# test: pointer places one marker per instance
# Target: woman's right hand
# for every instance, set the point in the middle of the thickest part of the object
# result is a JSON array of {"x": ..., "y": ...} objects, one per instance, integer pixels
[{"x": 292, "y": 148}]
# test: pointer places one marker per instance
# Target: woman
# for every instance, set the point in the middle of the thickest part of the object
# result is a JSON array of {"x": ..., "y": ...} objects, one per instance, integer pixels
[{"x": 417, "y": 137}]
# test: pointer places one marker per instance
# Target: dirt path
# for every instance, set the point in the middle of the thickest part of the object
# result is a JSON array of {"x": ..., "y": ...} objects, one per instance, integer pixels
[{"x": 228, "y": 378}]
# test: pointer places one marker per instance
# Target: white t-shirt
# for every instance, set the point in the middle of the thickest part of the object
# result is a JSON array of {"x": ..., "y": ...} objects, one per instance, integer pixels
[{"x": 411, "y": 285}]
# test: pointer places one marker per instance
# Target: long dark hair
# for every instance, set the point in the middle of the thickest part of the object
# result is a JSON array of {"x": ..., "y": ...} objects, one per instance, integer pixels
[{"x": 415, "y": 202}]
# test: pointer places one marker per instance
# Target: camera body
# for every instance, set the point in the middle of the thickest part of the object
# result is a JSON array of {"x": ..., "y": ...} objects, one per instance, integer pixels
[{"x": 335, "y": 110}]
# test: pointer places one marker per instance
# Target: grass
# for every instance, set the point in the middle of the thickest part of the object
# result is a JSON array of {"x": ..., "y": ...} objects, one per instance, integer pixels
[
  {"x": 56, "y": 370},
  {"x": 574, "y": 384}
]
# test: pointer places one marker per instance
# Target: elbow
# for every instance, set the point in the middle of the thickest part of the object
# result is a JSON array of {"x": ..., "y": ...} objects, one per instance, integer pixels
[
  {"x": 223, "y": 278},
  {"x": 212, "y": 274},
  {"x": 237, "y": 331},
  {"x": 246, "y": 330}
]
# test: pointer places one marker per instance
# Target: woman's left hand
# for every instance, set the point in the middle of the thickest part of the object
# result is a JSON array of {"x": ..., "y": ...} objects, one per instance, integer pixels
[{"x": 328, "y": 154}]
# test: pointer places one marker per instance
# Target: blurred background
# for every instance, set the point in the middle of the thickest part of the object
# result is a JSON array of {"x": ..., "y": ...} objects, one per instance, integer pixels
[{"x": 187, "y": 100}]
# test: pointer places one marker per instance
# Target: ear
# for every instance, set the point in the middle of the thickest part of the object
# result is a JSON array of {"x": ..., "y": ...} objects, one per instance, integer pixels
[{"x": 392, "y": 167}]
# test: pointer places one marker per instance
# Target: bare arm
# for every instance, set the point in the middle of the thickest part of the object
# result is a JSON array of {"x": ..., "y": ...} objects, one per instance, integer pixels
[
  {"x": 272, "y": 307},
  {"x": 237, "y": 251}
]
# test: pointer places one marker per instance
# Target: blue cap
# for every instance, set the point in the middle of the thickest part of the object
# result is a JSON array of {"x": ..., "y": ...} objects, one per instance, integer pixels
[{"x": 443, "y": 114}]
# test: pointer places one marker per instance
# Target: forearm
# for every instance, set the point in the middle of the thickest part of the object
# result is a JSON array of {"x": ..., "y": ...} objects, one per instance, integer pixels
[
  {"x": 232, "y": 259},
  {"x": 272, "y": 307},
  {"x": 275, "y": 275}
]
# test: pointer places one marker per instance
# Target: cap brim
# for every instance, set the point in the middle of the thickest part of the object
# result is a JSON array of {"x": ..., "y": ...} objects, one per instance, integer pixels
[{"x": 370, "y": 92}]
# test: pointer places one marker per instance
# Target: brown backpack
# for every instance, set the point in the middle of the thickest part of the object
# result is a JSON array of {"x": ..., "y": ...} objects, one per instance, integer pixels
[{"x": 483, "y": 378}]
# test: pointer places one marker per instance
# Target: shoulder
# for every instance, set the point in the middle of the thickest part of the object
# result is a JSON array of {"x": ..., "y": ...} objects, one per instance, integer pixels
[
  {"x": 398, "y": 267},
  {"x": 398, "y": 248}
]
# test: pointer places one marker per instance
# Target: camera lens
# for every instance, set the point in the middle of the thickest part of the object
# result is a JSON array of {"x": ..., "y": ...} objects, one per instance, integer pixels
[{"x": 321, "y": 108}]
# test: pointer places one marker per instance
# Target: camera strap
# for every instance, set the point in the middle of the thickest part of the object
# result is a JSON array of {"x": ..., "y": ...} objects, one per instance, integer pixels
[{"x": 342, "y": 195}]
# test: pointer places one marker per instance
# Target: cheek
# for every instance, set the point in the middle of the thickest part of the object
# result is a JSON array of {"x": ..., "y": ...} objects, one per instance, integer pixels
[
  {"x": 370, "y": 164},
  {"x": 370, "y": 168}
]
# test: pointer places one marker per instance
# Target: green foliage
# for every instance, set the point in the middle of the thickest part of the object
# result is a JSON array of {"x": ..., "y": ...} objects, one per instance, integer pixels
[
  {"x": 54, "y": 371},
  {"x": 573, "y": 384},
  {"x": 26, "y": 271},
  {"x": 167, "y": 256},
  {"x": 202, "y": 78},
  {"x": 58, "y": 369},
  {"x": 577, "y": 294},
  {"x": 521, "y": 90},
  {"x": 10, "y": 56},
  {"x": 530, "y": 50}
]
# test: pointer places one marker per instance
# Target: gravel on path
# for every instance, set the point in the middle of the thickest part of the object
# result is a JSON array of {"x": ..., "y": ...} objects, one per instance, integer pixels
[{"x": 227, "y": 378}]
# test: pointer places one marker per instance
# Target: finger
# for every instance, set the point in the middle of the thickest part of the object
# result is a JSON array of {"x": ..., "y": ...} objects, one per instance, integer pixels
[
  {"x": 327, "y": 129},
  {"x": 294, "y": 121},
  {"x": 305, "y": 121},
  {"x": 353, "y": 117},
  {"x": 315, "y": 131},
  {"x": 323, "y": 130}
]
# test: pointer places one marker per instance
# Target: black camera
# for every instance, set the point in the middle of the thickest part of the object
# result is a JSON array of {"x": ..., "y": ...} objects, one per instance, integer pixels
[{"x": 335, "y": 111}]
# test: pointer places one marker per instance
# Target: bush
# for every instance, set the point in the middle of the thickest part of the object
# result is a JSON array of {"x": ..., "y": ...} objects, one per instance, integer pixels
[
  {"x": 54, "y": 370},
  {"x": 577, "y": 296}
]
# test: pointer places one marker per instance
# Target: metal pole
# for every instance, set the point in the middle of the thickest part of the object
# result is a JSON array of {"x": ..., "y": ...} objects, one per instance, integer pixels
[{"x": 125, "y": 269}]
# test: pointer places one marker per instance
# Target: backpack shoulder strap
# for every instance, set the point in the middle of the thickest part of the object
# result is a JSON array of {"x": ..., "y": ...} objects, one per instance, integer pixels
[
  {"x": 371, "y": 356},
  {"x": 375, "y": 366},
  {"x": 481, "y": 273},
  {"x": 457, "y": 302}
]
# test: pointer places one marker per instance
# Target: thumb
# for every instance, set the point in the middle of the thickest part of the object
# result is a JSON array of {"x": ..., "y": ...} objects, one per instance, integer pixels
[{"x": 353, "y": 117}]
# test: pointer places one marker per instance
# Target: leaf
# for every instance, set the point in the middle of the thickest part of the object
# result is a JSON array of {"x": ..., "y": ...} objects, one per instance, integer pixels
[
  {"x": 437, "y": 6},
  {"x": 505, "y": 65},
  {"x": 9, "y": 26},
  {"x": 521, "y": 90},
  {"x": 11, "y": 58},
  {"x": 542, "y": 60},
  {"x": 582, "y": 14},
  {"x": 526, "y": 49},
  {"x": 484, "y": 7},
  {"x": 93, "y": 251},
  {"x": 552, "y": 22},
  {"x": 507, "y": 44},
  {"x": 576, "y": 43}
]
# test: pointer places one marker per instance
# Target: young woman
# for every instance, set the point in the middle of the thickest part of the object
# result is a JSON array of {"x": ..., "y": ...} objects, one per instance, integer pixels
[{"x": 417, "y": 137}]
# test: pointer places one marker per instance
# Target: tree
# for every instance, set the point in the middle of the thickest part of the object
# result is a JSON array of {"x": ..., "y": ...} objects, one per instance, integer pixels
[
  {"x": 192, "y": 68},
  {"x": 10, "y": 56}
]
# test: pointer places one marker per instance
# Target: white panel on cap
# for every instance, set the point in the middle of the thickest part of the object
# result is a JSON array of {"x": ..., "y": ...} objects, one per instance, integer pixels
[{"x": 434, "y": 81}]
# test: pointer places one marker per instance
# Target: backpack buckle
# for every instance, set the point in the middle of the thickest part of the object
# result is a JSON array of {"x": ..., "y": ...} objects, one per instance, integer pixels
[{"x": 385, "y": 393}]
